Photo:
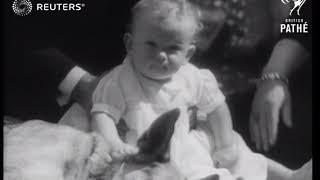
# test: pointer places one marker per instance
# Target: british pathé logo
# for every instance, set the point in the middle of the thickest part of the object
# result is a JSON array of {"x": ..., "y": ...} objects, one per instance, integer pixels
[
  {"x": 24, "y": 7},
  {"x": 294, "y": 25},
  {"x": 297, "y": 5}
]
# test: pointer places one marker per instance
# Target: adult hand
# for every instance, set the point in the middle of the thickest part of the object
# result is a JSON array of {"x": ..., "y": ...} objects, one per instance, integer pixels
[
  {"x": 272, "y": 101},
  {"x": 82, "y": 92}
]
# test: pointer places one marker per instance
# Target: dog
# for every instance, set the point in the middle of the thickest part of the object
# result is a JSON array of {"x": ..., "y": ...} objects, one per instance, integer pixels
[
  {"x": 40, "y": 150},
  {"x": 36, "y": 150}
]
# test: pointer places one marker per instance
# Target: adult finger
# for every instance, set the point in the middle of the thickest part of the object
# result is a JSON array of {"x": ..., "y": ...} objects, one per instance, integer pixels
[
  {"x": 255, "y": 132},
  {"x": 252, "y": 122},
  {"x": 263, "y": 129},
  {"x": 286, "y": 112},
  {"x": 272, "y": 122}
]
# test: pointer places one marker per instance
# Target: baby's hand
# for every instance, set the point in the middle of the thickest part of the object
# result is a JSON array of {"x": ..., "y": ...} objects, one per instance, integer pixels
[{"x": 121, "y": 149}]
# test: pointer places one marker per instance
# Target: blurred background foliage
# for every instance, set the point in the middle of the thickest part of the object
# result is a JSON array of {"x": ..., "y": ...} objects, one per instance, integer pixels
[{"x": 238, "y": 27}]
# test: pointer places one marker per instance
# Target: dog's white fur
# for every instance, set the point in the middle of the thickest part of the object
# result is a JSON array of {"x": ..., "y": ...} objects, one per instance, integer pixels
[{"x": 37, "y": 150}]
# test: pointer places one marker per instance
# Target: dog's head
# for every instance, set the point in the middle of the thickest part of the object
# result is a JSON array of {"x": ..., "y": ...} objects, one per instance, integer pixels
[
  {"x": 154, "y": 143},
  {"x": 152, "y": 160}
]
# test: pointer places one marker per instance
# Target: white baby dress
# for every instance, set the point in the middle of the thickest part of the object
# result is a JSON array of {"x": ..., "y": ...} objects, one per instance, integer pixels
[{"x": 125, "y": 94}]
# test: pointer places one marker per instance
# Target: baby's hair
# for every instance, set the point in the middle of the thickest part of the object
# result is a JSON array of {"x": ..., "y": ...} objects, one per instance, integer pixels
[{"x": 163, "y": 9}]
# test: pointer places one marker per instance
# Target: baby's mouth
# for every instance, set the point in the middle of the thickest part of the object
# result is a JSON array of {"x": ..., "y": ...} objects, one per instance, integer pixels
[{"x": 164, "y": 68}]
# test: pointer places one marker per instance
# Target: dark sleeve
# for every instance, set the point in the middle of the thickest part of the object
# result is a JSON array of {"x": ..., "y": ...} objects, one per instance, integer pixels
[
  {"x": 305, "y": 39},
  {"x": 31, "y": 83},
  {"x": 49, "y": 67}
]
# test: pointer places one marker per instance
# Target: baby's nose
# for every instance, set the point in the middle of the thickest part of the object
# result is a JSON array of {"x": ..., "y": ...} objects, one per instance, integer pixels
[{"x": 163, "y": 59}]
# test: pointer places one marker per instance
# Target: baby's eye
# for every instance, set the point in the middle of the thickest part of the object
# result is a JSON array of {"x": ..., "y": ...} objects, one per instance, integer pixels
[
  {"x": 174, "y": 48},
  {"x": 151, "y": 44}
]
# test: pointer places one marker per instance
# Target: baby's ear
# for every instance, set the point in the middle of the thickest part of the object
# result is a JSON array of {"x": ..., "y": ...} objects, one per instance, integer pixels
[
  {"x": 127, "y": 39},
  {"x": 191, "y": 51}
]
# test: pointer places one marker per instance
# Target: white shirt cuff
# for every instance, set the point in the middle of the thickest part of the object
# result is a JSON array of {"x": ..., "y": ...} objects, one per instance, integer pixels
[{"x": 67, "y": 85}]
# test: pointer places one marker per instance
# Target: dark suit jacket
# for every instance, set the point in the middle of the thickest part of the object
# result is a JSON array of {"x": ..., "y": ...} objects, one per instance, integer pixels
[
  {"x": 90, "y": 38},
  {"x": 31, "y": 83}
]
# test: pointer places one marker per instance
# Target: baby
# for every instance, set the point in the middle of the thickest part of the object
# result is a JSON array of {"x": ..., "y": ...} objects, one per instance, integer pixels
[{"x": 156, "y": 76}]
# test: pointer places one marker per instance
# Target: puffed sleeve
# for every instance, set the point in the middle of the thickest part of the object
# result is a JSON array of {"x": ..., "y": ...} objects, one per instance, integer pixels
[
  {"x": 108, "y": 98},
  {"x": 209, "y": 96}
]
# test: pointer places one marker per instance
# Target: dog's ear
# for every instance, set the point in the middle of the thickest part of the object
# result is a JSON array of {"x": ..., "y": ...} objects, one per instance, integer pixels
[{"x": 155, "y": 141}]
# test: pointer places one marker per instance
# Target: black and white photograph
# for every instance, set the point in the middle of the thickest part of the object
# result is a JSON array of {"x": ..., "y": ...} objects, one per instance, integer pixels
[{"x": 157, "y": 90}]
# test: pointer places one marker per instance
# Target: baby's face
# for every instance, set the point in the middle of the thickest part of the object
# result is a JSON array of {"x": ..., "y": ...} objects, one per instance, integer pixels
[{"x": 158, "y": 49}]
